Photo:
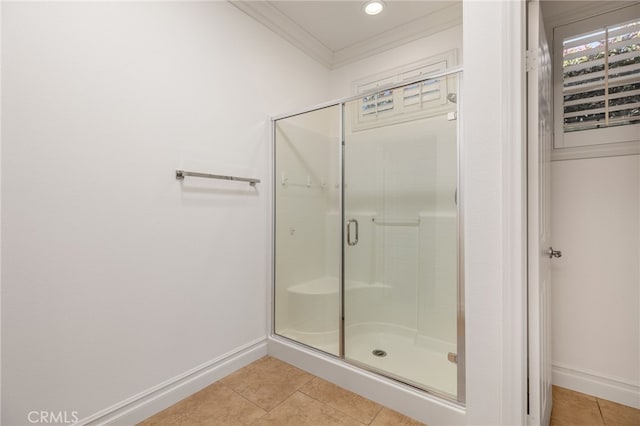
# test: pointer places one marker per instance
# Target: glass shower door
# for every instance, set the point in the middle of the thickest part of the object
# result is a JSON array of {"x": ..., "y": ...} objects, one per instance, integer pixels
[
  {"x": 401, "y": 234},
  {"x": 307, "y": 228}
]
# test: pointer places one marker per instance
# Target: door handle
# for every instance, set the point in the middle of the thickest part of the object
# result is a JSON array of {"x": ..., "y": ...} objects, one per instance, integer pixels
[
  {"x": 349, "y": 222},
  {"x": 554, "y": 253}
]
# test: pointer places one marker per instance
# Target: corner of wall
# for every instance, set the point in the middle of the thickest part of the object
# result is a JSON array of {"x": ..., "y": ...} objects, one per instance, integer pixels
[{"x": 153, "y": 400}]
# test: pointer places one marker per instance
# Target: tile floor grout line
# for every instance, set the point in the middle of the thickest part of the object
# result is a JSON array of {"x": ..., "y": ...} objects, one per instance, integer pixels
[
  {"x": 264, "y": 358},
  {"x": 313, "y": 377},
  {"x": 283, "y": 401},
  {"x": 298, "y": 389},
  {"x": 337, "y": 409},
  {"x": 378, "y": 413},
  {"x": 246, "y": 399},
  {"x": 323, "y": 403},
  {"x": 600, "y": 411}
]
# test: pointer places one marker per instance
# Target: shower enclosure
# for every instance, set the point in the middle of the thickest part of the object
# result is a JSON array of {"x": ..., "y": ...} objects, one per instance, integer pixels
[{"x": 367, "y": 241}]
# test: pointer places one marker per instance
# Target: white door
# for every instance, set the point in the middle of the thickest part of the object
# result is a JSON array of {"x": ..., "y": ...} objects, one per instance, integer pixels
[{"x": 539, "y": 129}]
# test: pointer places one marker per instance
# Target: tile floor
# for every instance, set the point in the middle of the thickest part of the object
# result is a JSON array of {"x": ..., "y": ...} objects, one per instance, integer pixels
[
  {"x": 271, "y": 392},
  {"x": 573, "y": 408}
]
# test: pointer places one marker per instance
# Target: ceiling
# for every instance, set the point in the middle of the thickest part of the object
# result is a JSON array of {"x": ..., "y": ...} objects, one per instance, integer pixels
[
  {"x": 561, "y": 12},
  {"x": 337, "y": 32},
  {"x": 338, "y": 25}
]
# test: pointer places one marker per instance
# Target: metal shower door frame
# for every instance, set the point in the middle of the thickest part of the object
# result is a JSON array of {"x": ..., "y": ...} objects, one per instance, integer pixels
[{"x": 461, "y": 354}]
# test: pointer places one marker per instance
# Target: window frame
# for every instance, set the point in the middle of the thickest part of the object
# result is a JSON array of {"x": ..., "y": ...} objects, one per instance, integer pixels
[
  {"x": 398, "y": 75},
  {"x": 607, "y": 141}
]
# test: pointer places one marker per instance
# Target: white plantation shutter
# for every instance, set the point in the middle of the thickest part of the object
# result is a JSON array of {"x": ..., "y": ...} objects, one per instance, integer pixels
[
  {"x": 601, "y": 78},
  {"x": 403, "y": 103},
  {"x": 421, "y": 93},
  {"x": 377, "y": 103}
]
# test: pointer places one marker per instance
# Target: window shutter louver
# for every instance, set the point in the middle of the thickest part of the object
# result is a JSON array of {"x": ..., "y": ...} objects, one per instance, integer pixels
[
  {"x": 419, "y": 93},
  {"x": 601, "y": 78},
  {"x": 381, "y": 105},
  {"x": 377, "y": 103}
]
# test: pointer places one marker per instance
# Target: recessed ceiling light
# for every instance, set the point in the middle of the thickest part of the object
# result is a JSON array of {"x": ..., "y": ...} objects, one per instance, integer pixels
[{"x": 373, "y": 7}]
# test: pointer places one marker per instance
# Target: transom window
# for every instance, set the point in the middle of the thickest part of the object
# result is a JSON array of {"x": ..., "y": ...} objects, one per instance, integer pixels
[{"x": 411, "y": 102}]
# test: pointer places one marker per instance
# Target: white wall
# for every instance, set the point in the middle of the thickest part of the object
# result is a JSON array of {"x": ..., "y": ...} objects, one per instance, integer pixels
[
  {"x": 117, "y": 277},
  {"x": 441, "y": 42},
  {"x": 596, "y": 284}
]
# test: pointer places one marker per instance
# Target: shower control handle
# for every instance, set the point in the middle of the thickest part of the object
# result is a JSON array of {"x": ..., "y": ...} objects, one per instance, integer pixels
[{"x": 349, "y": 222}]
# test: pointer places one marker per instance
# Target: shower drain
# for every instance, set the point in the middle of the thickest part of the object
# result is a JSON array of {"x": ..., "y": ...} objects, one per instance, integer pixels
[{"x": 379, "y": 352}]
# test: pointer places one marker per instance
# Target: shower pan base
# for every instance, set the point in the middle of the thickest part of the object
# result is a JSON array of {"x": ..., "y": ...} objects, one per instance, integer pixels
[
  {"x": 408, "y": 354},
  {"x": 409, "y": 400}
]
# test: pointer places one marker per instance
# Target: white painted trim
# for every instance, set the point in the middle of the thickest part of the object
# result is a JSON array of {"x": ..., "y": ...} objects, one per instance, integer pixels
[
  {"x": 493, "y": 351},
  {"x": 440, "y": 20},
  {"x": 539, "y": 118},
  {"x": 155, "y": 399},
  {"x": 285, "y": 27},
  {"x": 436, "y": 64},
  {"x": 596, "y": 151},
  {"x": 610, "y": 388},
  {"x": 579, "y": 139},
  {"x": 582, "y": 12},
  {"x": 1, "y": 212},
  {"x": 399, "y": 397},
  {"x": 268, "y": 15},
  {"x": 514, "y": 241}
]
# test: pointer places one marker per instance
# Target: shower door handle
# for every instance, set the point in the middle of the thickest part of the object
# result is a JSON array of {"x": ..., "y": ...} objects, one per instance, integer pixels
[{"x": 349, "y": 222}]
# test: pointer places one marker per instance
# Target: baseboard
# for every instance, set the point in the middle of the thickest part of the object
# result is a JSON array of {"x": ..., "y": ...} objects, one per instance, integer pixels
[
  {"x": 399, "y": 397},
  {"x": 612, "y": 389},
  {"x": 153, "y": 400}
]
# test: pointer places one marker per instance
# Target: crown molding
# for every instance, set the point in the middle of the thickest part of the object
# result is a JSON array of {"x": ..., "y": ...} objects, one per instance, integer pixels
[
  {"x": 424, "y": 26},
  {"x": 268, "y": 15},
  {"x": 583, "y": 11}
]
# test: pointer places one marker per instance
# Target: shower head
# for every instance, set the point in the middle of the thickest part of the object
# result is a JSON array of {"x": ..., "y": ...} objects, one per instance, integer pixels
[{"x": 452, "y": 97}]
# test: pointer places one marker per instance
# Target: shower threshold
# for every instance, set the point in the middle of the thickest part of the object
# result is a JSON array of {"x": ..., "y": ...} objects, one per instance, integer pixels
[{"x": 419, "y": 361}]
